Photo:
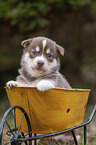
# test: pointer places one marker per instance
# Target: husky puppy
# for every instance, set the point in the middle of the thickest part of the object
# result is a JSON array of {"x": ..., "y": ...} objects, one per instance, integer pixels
[{"x": 40, "y": 65}]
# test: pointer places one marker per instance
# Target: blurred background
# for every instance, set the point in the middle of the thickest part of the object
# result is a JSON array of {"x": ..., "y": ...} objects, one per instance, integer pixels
[{"x": 71, "y": 23}]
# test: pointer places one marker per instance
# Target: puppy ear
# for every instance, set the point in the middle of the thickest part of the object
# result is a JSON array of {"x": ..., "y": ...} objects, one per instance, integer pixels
[
  {"x": 25, "y": 43},
  {"x": 60, "y": 49}
]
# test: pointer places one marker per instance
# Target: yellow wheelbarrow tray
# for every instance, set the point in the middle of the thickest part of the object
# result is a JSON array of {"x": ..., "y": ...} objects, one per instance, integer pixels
[{"x": 50, "y": 113}]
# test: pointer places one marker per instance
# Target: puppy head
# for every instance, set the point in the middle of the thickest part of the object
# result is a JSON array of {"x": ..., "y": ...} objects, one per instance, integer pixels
[{"x": 41, "y": 56}]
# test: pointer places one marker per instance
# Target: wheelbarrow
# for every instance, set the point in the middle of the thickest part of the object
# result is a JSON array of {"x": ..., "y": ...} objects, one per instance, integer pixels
[{"x": 34, "y": 115}]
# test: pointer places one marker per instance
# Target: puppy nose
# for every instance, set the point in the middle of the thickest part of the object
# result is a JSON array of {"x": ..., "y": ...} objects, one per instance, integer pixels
[{"x": 40, "y": 63}]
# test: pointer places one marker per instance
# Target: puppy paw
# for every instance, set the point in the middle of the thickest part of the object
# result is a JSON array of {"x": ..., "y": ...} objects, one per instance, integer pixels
[
  {"x": 11, "y": 84},
  {"x": 45, "y": 85}
]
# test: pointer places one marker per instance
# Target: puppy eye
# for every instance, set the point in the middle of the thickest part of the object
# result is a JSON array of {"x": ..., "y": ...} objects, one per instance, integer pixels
[
  {"x": 34, "y": 52},
  {"x": 49, "y": 55}
]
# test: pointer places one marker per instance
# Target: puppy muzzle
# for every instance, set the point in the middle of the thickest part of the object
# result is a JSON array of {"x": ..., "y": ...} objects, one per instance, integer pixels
[{"x": 40, "y": 63}]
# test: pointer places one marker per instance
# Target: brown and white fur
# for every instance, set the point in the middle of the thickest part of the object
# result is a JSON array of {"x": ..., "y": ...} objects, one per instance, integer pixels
[{"x": 40, "y": 65}]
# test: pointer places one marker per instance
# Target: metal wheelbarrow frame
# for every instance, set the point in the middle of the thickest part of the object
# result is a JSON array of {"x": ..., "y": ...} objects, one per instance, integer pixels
[{"x": 17, "y": 136}]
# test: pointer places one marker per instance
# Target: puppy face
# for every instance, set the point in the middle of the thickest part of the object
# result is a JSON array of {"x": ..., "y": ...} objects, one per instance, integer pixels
[{"x": 41, "y": 56}]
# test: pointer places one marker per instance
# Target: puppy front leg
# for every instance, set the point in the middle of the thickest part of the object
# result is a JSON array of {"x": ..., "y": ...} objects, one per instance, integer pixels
[
  {"x": 45, "y": 85},
  {"x": 11, "y": 84}
]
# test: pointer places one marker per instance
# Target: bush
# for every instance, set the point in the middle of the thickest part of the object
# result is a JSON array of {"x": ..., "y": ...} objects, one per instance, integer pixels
[{"x": 31, "y": 13}]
